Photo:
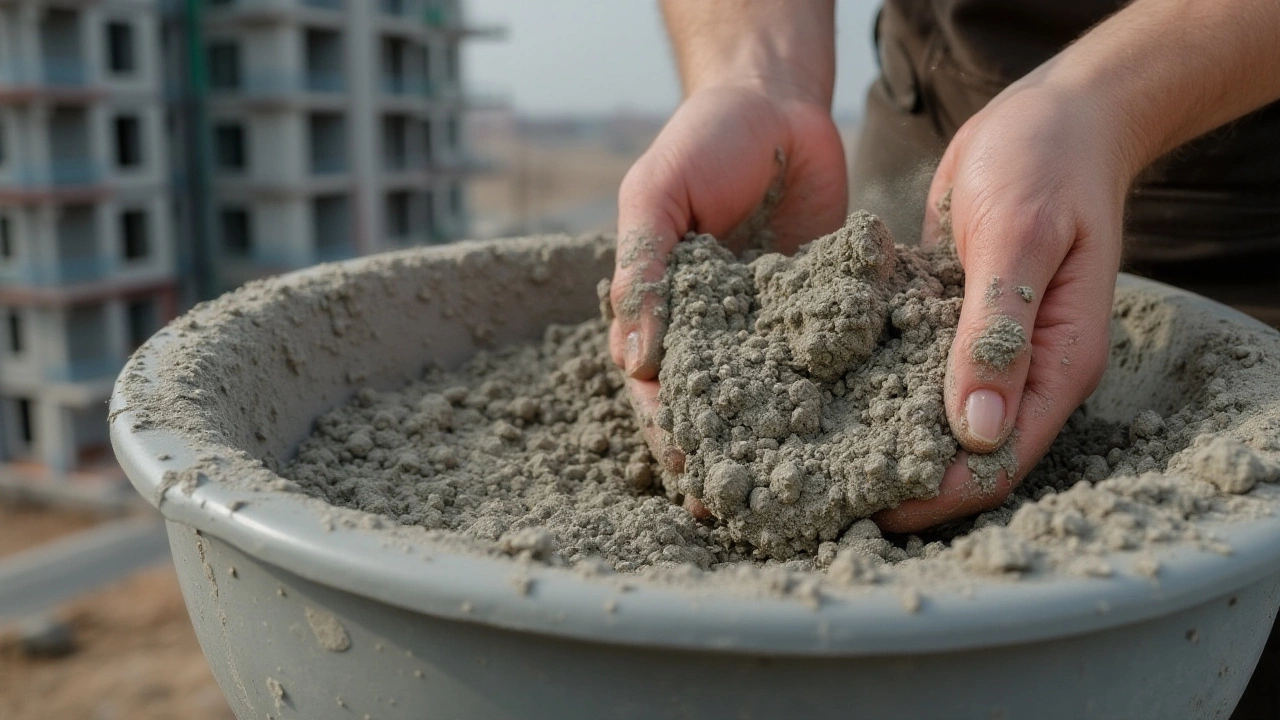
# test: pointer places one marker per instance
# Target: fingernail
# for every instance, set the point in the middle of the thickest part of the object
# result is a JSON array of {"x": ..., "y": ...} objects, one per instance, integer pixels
[
  {"x": 984, "y": 414},
  {"x": 631, "y": 352}
]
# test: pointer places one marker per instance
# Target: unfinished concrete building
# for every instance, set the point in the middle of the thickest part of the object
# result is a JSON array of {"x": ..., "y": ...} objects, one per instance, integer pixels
[
  {"x": 86, "y": 259},
  {"x": 155, "y": 152},
  {"x": 335, "y": 129}
]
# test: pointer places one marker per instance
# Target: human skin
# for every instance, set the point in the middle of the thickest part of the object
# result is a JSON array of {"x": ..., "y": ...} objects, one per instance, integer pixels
[{"x": 1038, "y": 180}]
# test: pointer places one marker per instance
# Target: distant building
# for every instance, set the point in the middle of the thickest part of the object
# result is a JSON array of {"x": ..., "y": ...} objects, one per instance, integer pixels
[
  {"x": 86, "y": 257},
  {"x": 153, "y": 152},
  {"x": 336, "y": 130}
]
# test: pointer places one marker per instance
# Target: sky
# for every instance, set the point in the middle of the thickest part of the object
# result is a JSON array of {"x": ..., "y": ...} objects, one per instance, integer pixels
[{"x": 595, "y": 57}]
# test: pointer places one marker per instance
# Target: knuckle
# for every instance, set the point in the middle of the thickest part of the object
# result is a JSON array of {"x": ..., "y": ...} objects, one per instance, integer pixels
[{"x": 1003, "y": 229}]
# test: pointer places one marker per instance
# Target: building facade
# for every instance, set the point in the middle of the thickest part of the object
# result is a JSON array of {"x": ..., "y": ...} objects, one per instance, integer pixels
[
  {"x": 86, "y": 251},
  {"x": 155, "y": 152},
  {"x": 335, "y": 129}
]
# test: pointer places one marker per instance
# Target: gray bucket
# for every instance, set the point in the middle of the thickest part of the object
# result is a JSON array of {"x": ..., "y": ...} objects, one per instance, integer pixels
[{"x": 302, "y": 619}]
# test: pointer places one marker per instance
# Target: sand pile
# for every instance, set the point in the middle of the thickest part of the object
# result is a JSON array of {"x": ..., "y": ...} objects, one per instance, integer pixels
[
  {"x": 533, "y": 451},
  {"x": 806, "y": 392},
  {"x": 534, "y": 448}
]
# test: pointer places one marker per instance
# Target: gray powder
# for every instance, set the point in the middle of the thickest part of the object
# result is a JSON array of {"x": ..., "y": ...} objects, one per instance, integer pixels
[
  {"x": 806, "y": 391},
  {"x": 277, "y": 691},
  {"x": 986, "y": 467},
  {"x": 1001, "y": 342},
  {"x": 793, "y": 433},
  {"x": 531, "y": 452},
  {"x": 330, "y": 633},
  {"x": 534, "y": 449}
]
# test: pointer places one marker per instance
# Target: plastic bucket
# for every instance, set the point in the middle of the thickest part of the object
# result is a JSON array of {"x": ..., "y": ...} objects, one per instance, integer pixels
[{"x": 429, "y": 633}]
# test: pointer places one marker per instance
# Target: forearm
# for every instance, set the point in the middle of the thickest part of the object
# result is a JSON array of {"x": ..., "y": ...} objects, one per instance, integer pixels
[
  {"x": 786, "y": 46},
  {"x": 1163, "y": 72}
]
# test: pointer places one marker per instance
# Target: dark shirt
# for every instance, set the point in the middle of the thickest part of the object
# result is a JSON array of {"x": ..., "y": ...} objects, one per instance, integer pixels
[{"x": 1211, "y": 207}]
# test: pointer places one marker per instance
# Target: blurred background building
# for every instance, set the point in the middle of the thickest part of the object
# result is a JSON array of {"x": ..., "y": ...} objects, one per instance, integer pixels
[
  {"x": 87, "y": 262},
  {"x": 335, "y": 130},
  {"x": 158, "y": 152}
]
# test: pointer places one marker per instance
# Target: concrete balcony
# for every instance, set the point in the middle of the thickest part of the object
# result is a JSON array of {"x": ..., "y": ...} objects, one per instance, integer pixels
[
  {"x": 444, "y": 233},
  {"x": 65, "y": 72},
  {"x": 454, "y": 94},
  {"x": 275, "y": 260},
  {"x": 460, "y": 162},
  {"x": 329, "y": 165},
  {"x": 63, "y": 180},
  {"x": 441, "y": 20},
  {"x": 268, "y": 11},
  {"x": 291, "y": 83},
  {"x": 85, "y": 370},
  {"x": 63, "y": 173},
  {"x": 67, "y": 271},
  {"x": 286, "y": 88},
  {"x": 50, "y": 72},
  {"x": 59, "y": 173},
  {"x": 65, "y": 79},
  {"x": 403, "y": 86},
  {"x": 318, "y": 81}
]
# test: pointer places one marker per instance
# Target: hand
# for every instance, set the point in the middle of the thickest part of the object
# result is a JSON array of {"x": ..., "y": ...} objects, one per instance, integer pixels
[
  {"x": 1038, "y": 180},
  {"x": 708, "y": 171}
]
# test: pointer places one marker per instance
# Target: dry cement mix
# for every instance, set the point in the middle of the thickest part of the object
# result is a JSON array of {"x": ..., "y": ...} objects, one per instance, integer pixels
[{"x": 807, "y": 394}]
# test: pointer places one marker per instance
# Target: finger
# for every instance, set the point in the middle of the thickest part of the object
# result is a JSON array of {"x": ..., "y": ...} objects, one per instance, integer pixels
[
  {"x": 644, "y": 401},
  {"x": 960, "y": 495},
  {"x": 1009, "y": 260},
  {"x": 1068, "y": 358},
  {"x": 650, "y": 222},
  {"x": 1069, "y": 348}
]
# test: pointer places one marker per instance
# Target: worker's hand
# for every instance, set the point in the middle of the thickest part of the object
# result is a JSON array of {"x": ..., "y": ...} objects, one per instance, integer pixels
[
  {"x": 708, "y": 171},
  {"x": 1037, "y": 181}
]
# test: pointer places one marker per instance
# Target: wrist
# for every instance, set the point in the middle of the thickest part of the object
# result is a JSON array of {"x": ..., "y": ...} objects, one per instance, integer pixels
[
  {"x": 1130, "y": 135},
  {"x": 783, "y": 50},
  {"x": 1162, "y": 72},
  {"x": 780, "y": 89}
]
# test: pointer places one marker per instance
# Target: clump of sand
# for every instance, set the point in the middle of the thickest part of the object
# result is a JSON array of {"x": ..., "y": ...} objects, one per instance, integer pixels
[{"x": 806, "y": 391}]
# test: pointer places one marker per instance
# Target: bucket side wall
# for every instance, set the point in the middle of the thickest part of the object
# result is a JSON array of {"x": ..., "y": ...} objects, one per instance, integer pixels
[{"x": 254, "y": 627}]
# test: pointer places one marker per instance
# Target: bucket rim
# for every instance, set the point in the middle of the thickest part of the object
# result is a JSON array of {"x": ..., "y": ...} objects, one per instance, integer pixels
[{"x": 283, "y": 529}]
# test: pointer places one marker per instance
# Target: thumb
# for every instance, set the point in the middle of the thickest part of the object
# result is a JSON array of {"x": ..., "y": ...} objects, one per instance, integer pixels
[
  {"x": 650, "y": 222},
  {"x": 1009, "y": 262}
]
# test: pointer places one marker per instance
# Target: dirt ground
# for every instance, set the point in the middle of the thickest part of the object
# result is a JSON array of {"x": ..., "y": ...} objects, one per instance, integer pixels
[
  {"x": 136, "y": 658},
  {"x": 24, "y": 526}
]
